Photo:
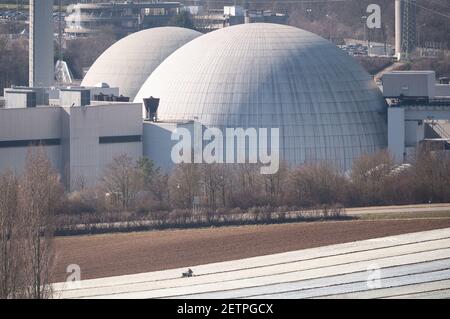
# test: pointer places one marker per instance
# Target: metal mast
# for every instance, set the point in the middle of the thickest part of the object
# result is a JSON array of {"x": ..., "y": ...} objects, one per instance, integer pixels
[
  {"x": 409, "y": 36},
  {"x": 60, "y": 35}
]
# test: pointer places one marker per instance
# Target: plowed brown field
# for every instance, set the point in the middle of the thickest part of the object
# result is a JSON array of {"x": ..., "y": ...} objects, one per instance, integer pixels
[{"x": 120, "y": 254}]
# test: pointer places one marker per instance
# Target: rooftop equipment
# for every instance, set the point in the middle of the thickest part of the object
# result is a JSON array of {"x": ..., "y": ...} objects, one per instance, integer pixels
[
  {"x": 19, "y": 98},
  {"x": 110, "y": 98},
  {"x": 75, "y": 97},
  {"x": 151, "y": 108},
  {"x": 22, "y": 97},
  {"x": 444, "y": 80}
]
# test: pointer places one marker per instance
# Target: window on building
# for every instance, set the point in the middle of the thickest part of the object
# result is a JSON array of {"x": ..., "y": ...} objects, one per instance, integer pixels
[{"x": 155, "y": 11}]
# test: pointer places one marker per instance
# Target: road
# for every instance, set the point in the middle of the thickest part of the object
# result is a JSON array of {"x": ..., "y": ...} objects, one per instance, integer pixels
[
  {"x": 410, "y": 209},
  {"x": 396, "y": 65}
]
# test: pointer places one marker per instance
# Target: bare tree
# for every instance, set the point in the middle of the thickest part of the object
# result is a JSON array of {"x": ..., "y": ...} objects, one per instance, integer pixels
[
  {"x": 432, "y": 175},
  {"x": 315, "y": 184},
  {"x": 122, "y": 181},
  {"x": 275, "y": 185},
  {"x": 184, "y": 184},
  {"x": 214, "y": 182},
  {"x": 246, "y": 186},
  {"x": 370, "y": 173},
  {"x": 9, "y": 241},
  {"x": 154, "y": 180},
  {"x": 39, "y": 197},
  {"x": 13, "y": 62}
]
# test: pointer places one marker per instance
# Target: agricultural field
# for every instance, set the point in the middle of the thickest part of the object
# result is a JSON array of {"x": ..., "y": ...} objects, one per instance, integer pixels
[
  {"x": 402, "y": 266},
  {"x": 131, "y": 253}
]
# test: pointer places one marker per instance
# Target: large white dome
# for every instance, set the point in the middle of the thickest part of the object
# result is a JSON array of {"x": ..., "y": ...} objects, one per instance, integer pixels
[
  {"x": 129, "y": 62},
  {"x": 266, "y": 75}
]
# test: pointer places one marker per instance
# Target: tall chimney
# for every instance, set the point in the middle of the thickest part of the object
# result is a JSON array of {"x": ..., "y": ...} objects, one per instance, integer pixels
[
  {"x": 41, "y": 67},
  {"x": 398, "y": 29}
]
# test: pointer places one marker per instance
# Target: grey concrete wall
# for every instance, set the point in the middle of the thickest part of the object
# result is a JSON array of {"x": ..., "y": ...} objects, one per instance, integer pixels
[
  {"x": 443, "y": 90},
  {"x": 396, "y": 133},
  {"x": 19, "y": 99},
  {"x": 75, "y": 132},
  {"x": 22, "y": 124},
  {"x": 89, "y": 158},
  {"x": 414, "y": 84},
  {"x": 74, "y": 97},
  {"x": 157, "y": 142},
  {"x": 414, "y": 132}
]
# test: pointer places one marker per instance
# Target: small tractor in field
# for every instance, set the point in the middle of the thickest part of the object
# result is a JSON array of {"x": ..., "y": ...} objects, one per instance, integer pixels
[{"x": 189, "y": 273}]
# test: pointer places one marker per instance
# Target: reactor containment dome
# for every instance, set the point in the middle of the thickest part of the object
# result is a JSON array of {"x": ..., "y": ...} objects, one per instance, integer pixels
[
  {"x": 262, "y": 75},
  {"x": 130, "y": 61}
]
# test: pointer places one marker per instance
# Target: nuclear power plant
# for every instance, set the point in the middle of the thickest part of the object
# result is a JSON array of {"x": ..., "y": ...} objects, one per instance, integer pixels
[
  {"x": 255, "y": 161},
  {"x": 255, "y": 75}
]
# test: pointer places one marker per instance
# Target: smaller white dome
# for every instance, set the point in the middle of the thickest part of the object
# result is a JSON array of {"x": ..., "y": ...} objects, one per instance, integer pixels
[{"x": 131, "y": 60}]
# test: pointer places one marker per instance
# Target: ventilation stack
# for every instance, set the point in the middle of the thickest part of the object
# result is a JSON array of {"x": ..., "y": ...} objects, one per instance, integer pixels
[{"x": 41, "y": 67}]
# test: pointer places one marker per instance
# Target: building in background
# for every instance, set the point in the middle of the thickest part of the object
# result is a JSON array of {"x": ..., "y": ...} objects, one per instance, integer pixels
[
  {"x": 214, "y": 19},
  {"x": 419, "y": 112},
  {"x": 123, "y": 18},
  {"x": 128, "y": 17}
]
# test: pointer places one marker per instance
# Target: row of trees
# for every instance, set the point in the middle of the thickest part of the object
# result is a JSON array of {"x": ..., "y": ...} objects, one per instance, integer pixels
[
  {"x": 344, "y": 20},
  {"x": 13, "y": 62},
  {"x": 28, "y": 205},
  {"x": 373, "y": 180}
]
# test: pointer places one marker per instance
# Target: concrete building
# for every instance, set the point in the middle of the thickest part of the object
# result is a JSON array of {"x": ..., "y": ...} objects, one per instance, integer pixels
[
  {"x": 130, "y": 61},
  {"x": 419, "y": 110},
  {"x": 262, "y": 75},
  {"x": 234, "y": 15},
  {"x": 413, "y": 84},
  {"x": 80, "y": 137},
  {"x": 123, "y": 17},
  {"x": 213, "y": 19}
]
